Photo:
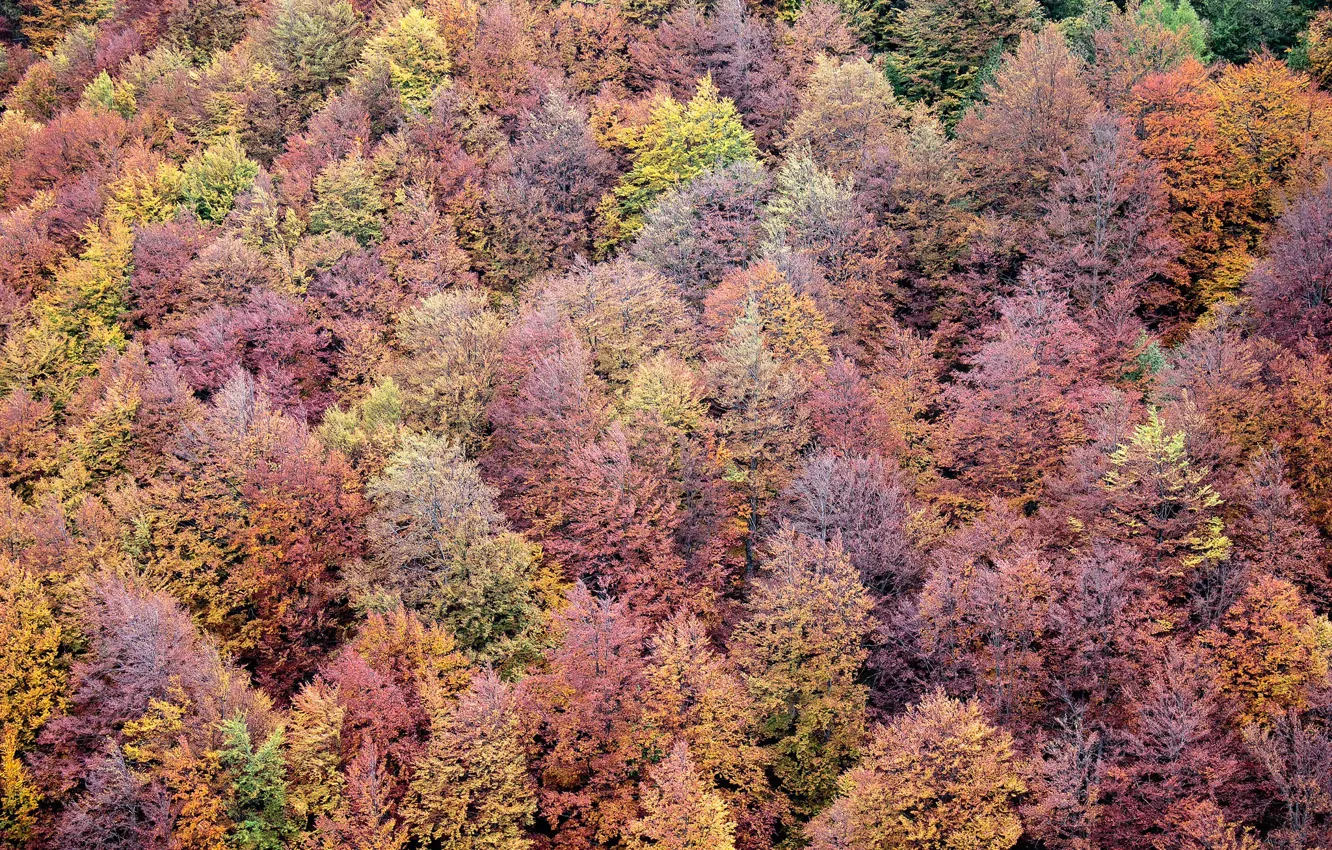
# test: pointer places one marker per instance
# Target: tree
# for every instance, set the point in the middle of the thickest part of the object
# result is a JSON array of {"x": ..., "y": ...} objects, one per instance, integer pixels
[
  {"x": 937, "y": 776},
  {"x": 694, "y": 696},
  {"x": 940, "y": 48},
  {"x": 680, "y": 811},
  {"x": 416, "y": 55},
  {"x": 45, "y": 22},
  {"x": 471, "y": 788},
  {"x": 831, "y": 249},
  {"x": 697, "y": 232},
  {"x": 348, "y": 200},
  {"x": 248, "y": 527},
  {"x": 1268, "y": 651},
  {"x": 793, "y": 327},
  {"x": 623, "y": 313},
  {"x": 1020, "y": 407},
  {"x": 552, "y": 408},
  {"x": 19, "y": 795},
  {"x": 846, "y": 111},
  {"x": 1031, "y": 120},
  {"x": 1239, "y": 29},
  {"x": 215, "y": 176},
  {"x": 762, "y": 420},
  {"x": 800, "y": 651},
  {"x": 1319, "y": 48},
  {"x": 678, "y": 143},
  {"x": 1276, "y": 533},
  {"x": 587, "y": 709},
  {"x": 448, "y": 553},
  {"x": 1130, "y": 45},
  {"x": 313, "y": 46},
  {"x": 1276, "y": 121},
  {"x": 1161, "y": 502},
  {"x": 1292, "y": 288},
  {"x": 258, "y": 786},
  {"x": 861, "y": 502},
  {"x": 541, "y": 203},
  {"x": 1176, "y": 111},
  {"x": 1293, "y": 753},
  {"x": 1105, "y": 234},
  {"x": 33, "y": 669},
  {"x": 314, "y": 750},
  {"x": 453, "y": 344},
  {"x": 73, "y": 322}
]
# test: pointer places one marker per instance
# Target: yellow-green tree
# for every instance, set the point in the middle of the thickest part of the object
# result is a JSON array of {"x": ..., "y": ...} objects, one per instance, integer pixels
[
  {"x": 32, "y": 672},
  {"x": 348, "y": 200},
  {"x": 215, "y": 176},
  {"x": 74, "y": 322},
  {"x": 800, "y": 652},
  {"x": 678, "y": 143},
  {"x": 415, "y": 53}
]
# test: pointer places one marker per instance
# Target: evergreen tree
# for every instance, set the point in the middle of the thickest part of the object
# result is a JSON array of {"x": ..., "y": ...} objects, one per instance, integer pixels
[{"x": 941, "y": 48}]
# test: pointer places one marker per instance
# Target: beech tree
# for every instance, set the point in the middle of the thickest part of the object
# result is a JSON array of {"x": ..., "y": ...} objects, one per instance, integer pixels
[
  {"x": 677, "y": 144},
  {"x": 680, "y": 811},
  {"x": 471, "y": 786},
  {"x": 448, "y": 553},
  {"x": 937, "y": 775},
  {"x": 801, "y": 650}
]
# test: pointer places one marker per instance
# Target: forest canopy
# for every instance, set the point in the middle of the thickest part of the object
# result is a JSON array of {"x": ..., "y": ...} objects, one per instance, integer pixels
[{"x": 665, "y": 424}]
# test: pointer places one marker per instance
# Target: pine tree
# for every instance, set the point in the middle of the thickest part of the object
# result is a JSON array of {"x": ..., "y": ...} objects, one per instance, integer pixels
[
  {"x": 258, "y": 788},
  {"x": 940, "y": 48}
]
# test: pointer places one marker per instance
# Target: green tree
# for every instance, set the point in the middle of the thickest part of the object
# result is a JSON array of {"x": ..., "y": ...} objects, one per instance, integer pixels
[
  {"x": 258, "y": 788},
  {"x": 940, "y": 47},
  {"x": 313, "y": 45},
  {"x": 446, "y": 550},
  {"x": 416, "y": 55},
  {"x": 678, "y": 143},
  {"x": 1239, "y": 27},
  {"x": 348, "y": 200},
  {"x": 215, "y": 176}
]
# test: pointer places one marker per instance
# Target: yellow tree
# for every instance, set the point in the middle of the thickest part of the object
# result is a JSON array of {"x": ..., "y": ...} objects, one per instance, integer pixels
[
  {"x": 938, "y": 776},
  {"x": 1269, "y": 652},
  {"x": 680, "y": 811},
  {"x": 800, "y": 651},
  {"x": 679, "y": 142}
]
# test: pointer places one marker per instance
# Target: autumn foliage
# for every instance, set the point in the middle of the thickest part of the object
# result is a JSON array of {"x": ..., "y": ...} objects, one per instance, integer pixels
[{"x": 658, "y": 425}]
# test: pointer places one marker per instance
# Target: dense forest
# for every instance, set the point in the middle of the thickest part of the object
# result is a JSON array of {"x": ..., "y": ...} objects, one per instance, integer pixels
[{"x": 678, "y": 424}]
